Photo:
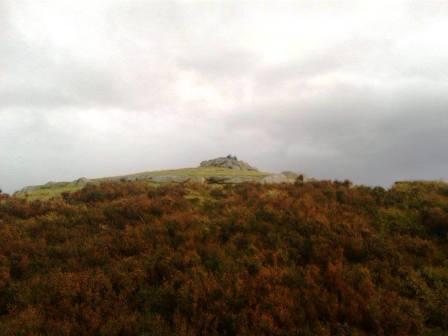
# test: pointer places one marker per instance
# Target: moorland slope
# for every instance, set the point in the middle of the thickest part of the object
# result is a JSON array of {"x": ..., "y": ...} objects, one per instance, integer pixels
[{"x": 315, "y": 258}]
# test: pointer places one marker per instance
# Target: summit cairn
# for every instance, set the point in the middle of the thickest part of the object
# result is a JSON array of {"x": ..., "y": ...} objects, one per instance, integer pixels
[{"x": 229, "y": 161}]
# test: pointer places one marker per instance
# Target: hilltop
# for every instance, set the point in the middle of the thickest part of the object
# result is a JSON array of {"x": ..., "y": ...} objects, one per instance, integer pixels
[
  {"x": 229, "y": 161},
  {"x": 221, "y": 170}
]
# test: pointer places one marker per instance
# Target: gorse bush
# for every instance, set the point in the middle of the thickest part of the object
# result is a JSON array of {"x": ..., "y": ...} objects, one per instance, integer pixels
[{"x": 318, "y": 258}]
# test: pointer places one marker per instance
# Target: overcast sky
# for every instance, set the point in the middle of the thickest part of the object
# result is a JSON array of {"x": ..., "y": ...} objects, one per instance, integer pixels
[{"x": 342, "y": 89}]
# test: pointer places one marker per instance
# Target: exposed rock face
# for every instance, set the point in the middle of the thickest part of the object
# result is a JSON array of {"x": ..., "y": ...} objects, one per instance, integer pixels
[{"x": 230, "y": 162}]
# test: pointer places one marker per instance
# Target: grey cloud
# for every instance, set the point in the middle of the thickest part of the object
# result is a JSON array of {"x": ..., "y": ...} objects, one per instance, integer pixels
[
  {"x": 335, "y": 91},
  {"x": 220, "y": 63},
  {"x": 366, "y": 136},
  {"x": 339, "y": 57},
  {"x": 53, "y": 86},
  {"x": 37, "y": 74}
]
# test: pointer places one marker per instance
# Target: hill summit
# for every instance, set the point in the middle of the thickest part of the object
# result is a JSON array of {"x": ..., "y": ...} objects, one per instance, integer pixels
[{"x": 228, "y": 161}]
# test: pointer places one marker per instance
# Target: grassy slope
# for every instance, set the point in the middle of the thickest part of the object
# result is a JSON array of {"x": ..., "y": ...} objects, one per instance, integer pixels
[
  {"x": 193, "y": 172},
  {"x": 47, "y": 192}
]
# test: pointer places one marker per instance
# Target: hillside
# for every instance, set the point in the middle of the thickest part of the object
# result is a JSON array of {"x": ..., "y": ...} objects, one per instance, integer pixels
[
  {"x": 316, "y": 258},
  {"x": 222, "y": 170},
  {"x": 198, "y": 175}
]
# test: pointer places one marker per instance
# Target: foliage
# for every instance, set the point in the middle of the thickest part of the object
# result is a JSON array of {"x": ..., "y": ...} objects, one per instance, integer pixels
[{"x": 319, "y": 258}]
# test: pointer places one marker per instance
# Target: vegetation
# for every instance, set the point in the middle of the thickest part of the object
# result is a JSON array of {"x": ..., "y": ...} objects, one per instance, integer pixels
[
  {"x": 320, "y": 258},
  {"x": 46, "y": 192}
]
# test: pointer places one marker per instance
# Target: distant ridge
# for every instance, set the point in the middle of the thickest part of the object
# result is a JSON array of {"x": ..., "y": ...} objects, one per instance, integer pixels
[{"x": 221, "y": 170}]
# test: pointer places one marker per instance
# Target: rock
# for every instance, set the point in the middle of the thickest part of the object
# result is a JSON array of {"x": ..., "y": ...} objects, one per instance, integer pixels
[
  {"x": 276, "y": 179},
  {"x": 230, "y": 162}
]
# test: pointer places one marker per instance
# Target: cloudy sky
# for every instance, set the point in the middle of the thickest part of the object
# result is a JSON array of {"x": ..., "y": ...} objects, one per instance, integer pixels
[{"x": 342, "y": 89}]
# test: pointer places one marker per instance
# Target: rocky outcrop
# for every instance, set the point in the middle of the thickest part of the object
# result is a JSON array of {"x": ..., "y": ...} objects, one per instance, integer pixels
[{"x": 229, "y": 161}]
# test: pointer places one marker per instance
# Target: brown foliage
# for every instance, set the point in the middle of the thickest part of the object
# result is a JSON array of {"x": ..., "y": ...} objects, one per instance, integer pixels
[{"x": 321, "y": 258}]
